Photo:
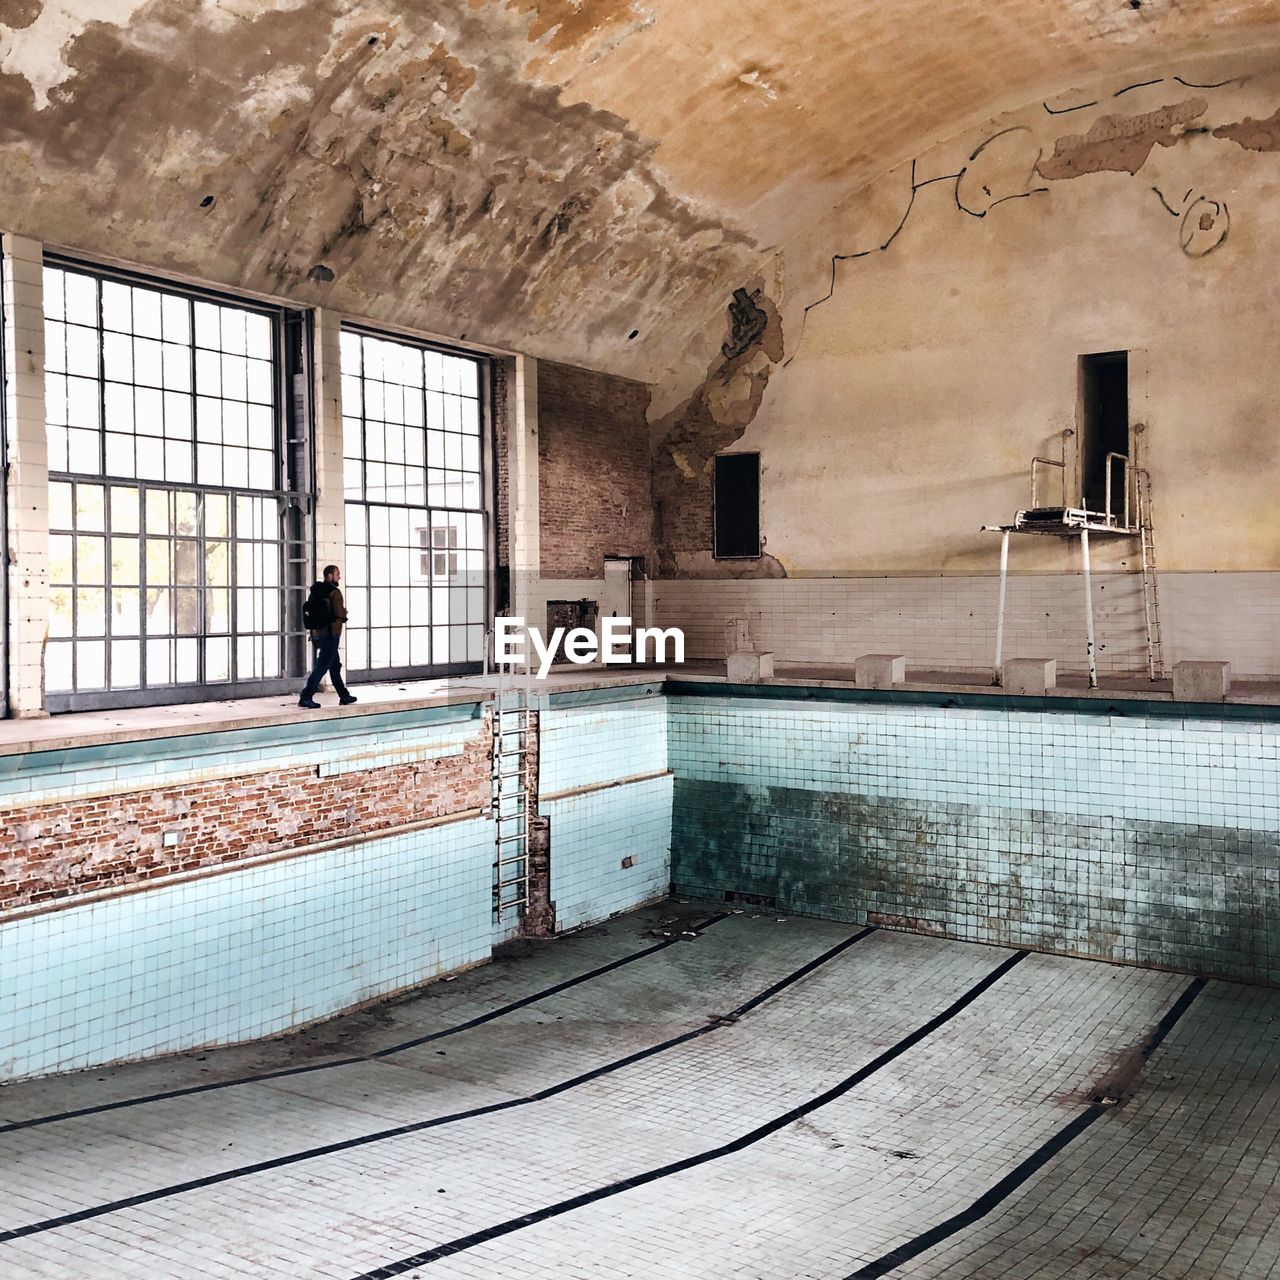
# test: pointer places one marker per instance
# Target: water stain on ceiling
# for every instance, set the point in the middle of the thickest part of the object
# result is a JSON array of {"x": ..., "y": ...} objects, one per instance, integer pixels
[{"x": 544, "y": 175}]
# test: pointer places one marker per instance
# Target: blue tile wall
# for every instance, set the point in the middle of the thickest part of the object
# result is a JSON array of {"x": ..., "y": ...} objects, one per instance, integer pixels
[
  {"x": 595, "y": 746},
  {"x": 604, "y": 742},
  {"x": 591, "y": 835},
  {"x": 242, "y": 954},
  {"x": 1149, "y": 840}
]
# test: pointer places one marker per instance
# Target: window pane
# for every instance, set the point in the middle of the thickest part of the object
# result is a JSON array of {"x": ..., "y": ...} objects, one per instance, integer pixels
[
  {"x": 121, "y": 459},
  {"x": 126, "y": 660},
  {"x": 84, "y": 449},
  {"x": 217, "y": 660},
  {"x": 117, "y": 306},
  {"x": 82, "y": 403},
  {"x": 57, "y": 667},
  {"x": 54, "y": 292},
  {"x": 125, "y": 561},
  {"x": 176, "y": 319},
  {"x": 216, "y": 515},
  {"x": 125, "y": 618},
  {"x": 217, "y": 564},
  {"x": 217, "y": 611},
  {"x": 82, "y": 351},
  {"x": 187, "y": 661},
  {"x": 124, "y": 510},
  {"x": 157, "y": 510},
  {"x": 91, "y": 562},
  {"x": 59, "y": 449},
  {"x": 91, "y": 664},
  {"x": 159, "y": 662},
  {"x": 60, "y": 613},
  {"x": 159, "y": 561},
  {"x": 60, "y": 560},
  {"x": 146, "y": 313},
  {"x": 149, "y": 458},
  {"x": 82, "y": 298},
  {"x": 146, "y": 363},
  {"x": 186, "y": 562}
]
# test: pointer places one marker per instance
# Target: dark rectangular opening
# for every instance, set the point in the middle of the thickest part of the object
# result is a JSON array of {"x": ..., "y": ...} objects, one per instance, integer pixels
[
  {"x": 1104, "y": 428},
  {"x": 571, "y": 614},
  {"x": 737, "y": 506}
]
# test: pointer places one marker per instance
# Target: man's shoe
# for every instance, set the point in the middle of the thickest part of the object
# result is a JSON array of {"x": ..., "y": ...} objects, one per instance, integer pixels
[
  {"x": 348, "y": 700},
  {"x": 310, "y": 703}
]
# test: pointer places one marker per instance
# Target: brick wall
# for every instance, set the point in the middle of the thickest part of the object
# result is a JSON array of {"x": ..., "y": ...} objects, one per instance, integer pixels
[
  {"x": 593, "y": 470},
  {"x": 74, "y": 846}
]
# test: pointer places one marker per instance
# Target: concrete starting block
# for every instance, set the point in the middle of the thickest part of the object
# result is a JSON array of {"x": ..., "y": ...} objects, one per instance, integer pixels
[
  {"x": 1201, "y": 681},
  {"x": 749, "y": 668},
  {"x": 879, "y": 670},
  {"x": 1029, "y": 677}
]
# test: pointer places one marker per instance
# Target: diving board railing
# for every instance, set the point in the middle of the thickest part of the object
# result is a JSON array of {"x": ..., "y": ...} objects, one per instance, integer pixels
[{"x": 1125, "y": 513}]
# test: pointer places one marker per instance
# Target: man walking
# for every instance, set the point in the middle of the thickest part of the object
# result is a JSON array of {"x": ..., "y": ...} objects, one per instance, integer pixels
[{"x": 323, "y": 615}]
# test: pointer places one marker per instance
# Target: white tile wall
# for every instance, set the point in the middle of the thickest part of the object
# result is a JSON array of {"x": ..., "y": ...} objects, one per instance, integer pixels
[
  {"x": 950, "y": 622},
  {"x": 27, "y": 558}
]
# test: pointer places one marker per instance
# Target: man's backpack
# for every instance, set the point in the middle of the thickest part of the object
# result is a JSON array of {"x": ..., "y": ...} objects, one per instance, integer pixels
[{"x": 317, "y": 613}]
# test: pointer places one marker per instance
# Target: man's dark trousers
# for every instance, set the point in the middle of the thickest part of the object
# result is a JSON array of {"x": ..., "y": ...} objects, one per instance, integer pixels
[{"x": 327, "y": 663}]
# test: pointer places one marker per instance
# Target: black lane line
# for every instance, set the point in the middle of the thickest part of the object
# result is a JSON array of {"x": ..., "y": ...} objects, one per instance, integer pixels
[
  {"x": 428, "y": 1256},
  {"x": 1012, "y": 1180},
  {"x": 505, "y": 1009},
  {"x": 417, "y": 1126}
]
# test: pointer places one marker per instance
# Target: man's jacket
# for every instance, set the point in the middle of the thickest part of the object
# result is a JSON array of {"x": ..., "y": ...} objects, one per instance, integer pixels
[{"x": 337, "y": 608}]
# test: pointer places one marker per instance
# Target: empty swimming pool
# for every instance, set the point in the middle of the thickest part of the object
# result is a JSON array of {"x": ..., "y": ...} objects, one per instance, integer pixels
[{"x": 685, "y": 1091}]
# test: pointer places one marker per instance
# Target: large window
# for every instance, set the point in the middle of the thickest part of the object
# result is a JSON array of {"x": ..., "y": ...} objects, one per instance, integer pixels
[
  {"x": 174, "y": 528},
  {"x": 413, "y": 460}
]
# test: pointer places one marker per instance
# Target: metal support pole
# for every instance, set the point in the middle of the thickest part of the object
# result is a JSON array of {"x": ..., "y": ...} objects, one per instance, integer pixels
[
  {"x": 1004, "y": 580},
  {"x": 1088, "y": 609}
]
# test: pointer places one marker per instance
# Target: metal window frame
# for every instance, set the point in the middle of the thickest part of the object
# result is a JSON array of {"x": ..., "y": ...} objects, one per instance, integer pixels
[
  {"x": 487, "y": 480},
  {"x": 293, "y": 474}
]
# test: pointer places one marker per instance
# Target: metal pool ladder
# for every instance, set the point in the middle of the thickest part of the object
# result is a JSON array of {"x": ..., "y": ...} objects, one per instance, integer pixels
[
  {"x": 1150, "y": 596},
  {"x": 512, "y": 726}
]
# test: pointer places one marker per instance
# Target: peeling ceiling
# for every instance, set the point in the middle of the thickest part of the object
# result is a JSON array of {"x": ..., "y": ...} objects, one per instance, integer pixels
[{"x": 587, "y": 180}]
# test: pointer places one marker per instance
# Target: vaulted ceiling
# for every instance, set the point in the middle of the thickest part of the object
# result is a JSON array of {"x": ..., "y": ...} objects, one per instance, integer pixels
[{"x": 581, "y": 179}]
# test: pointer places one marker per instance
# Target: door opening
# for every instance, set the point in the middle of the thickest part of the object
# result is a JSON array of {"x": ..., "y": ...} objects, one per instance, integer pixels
[{"x": 1104, "y": 429}]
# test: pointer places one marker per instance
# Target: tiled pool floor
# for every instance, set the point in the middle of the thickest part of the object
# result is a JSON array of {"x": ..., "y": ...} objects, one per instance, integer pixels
[{"x": 765, "y": 1098}]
